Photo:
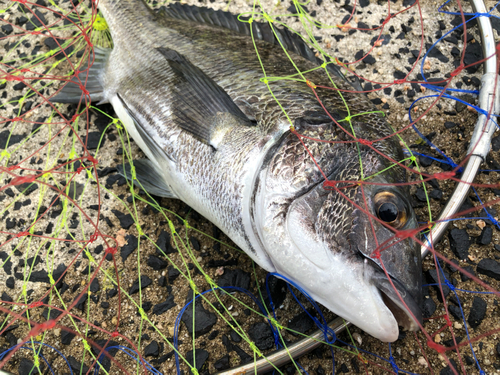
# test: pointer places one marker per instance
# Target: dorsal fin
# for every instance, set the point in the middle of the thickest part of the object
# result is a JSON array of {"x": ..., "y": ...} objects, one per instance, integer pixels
[{"x": 290, "y": 41}]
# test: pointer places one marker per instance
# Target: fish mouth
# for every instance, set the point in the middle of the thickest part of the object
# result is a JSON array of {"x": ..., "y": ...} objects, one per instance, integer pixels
[{"x": 403, "y": 306}]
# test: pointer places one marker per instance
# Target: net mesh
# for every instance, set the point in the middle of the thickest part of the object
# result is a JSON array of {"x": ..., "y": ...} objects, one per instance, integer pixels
[{"x": 100, "y": 277}]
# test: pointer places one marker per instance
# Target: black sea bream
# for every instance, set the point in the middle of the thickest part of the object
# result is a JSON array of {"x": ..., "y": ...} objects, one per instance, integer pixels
[{"x": 187, "y": 84}]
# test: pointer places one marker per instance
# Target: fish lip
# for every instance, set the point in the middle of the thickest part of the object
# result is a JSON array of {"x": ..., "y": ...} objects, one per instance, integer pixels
[{"x": 400, "y": 302}]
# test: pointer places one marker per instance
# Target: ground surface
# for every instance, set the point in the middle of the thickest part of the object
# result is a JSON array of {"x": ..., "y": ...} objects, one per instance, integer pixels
[{"x": 197, "y": 248}]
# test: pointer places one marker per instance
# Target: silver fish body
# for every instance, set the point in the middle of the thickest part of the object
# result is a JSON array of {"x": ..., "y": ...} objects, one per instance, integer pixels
[{"x": 191, "y": 95}]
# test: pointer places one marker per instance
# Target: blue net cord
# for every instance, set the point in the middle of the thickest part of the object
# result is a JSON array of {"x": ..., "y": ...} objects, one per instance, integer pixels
[
  {"x": 327, "y": 331},
  {"x": 321, "y": 325},
  {"x": 440, "y": 89},
  {"x": 488, "y": 14},
  {"x": 4, "y": 353},
  {"x": 452, "y": 288},
  {"x": 490, "y": 217},
  {"x": 179, "y": 316},
  {"x": 392, "y": 361},
  {"x": 429, "y": 143},
  {"x": 132, "y": 354}
]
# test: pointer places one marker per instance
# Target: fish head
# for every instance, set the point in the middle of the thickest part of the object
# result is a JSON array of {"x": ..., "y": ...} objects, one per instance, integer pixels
[
  {"x": 350, "y": 244},
  {"x": 360, "y": 233}
]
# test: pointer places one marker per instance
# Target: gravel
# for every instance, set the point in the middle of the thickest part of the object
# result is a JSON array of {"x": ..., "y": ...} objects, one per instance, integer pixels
[{"x": 154, "y": 249}]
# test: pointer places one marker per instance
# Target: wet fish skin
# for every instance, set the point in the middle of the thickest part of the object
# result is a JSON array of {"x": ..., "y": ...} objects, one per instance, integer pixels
[{"x": 190, "y": 95}]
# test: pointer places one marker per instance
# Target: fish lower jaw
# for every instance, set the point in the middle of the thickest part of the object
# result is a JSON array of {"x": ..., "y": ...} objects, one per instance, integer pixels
[
  {"x": 384, "y": 325},
  {"x": 395, "y": 299},
  {"x": 377, "y": 320},
  {"x": 403, "y": 319}
]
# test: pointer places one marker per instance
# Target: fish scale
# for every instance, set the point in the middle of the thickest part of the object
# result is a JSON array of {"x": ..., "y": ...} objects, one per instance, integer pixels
[{"x": 191, "y": 94}]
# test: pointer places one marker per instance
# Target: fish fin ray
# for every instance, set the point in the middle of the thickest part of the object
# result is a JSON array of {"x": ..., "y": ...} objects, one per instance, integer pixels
[
  {"x": 147, "y": 176},
  {"x": 201, "y": 106},
  {"x": 289, "y": 40},
  {"x": 149, "y": 142},
  {"x": 89, "y": 77}
]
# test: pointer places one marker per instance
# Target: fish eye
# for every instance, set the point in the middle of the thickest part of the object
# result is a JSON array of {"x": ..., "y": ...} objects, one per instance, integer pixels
[
  {"x": 388, "y": 212},
  {"x": 390, "y": 209}
]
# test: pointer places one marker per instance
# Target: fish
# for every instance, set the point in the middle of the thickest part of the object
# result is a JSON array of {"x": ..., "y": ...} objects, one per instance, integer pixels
[{"x": 276, "y": 164}]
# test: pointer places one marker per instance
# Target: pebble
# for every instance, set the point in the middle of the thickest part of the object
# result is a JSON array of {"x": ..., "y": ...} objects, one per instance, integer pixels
[
  {"x": 145, "y": 281},
  {"x": 244, "y": 357},
  {"x": 195, "y": 243},
  {"x": 477, "y": 312},
  {"x": 204, "y": 321},
  {"x": 235, "y": 336},
  {"x": 459, "y": 242},
  {"x": 469, "y": 269},
  {"x": 93, "y": 138},
  {"x": 10, "y": 282},
  {"x": 27, "y": 367},
  {"x": 66, "y": 337},
  {"x": 235, "y": 278},
  {"x": 105, "y": 360},
  {"x": 278, "y": 289},
  {"x": 14, "y": 138},
  {"x": 157, "y": 263},
  {"x": 495, "y": 143},
  {"x": 301, "y": 323},
  {"x": 436, "y": 194},
  {"x": 222, "y": 363},
  {"x": 433, "y": 277},
  {"x": 163, "y": 307},
  {"x": 262, "y": 336},
  {"x": 163, "y": 243},
  {"x": 455, "y": 312},
  {"x": 77, "y": 366},
  {"x": 94, "y": 286},
  {"x": 452, "y": 267},
  {"x": 489, "y": 267},
  {"x": 152, "y": 350},
  {"x": 126, "y": 220},
  {"x": 38, "y": 20},
  {"x": 481, "y": 224},
  {"x": 80, "y": 304},
  {"x": 429, "y": 307},
  {"x": 356, "y": 336},
  {"x": 448, "y": 370},
  {"x": 485, "y": 236},
  {"x": 172, "y": 273},
  {"x": 425, "y": 161},
  {"x": 422, "y": 361},
  {"x": 129, "y": 247}
]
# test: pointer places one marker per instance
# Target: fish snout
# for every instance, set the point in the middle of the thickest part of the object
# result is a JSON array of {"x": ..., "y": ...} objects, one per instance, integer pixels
[{"x": 404, "y": 302}]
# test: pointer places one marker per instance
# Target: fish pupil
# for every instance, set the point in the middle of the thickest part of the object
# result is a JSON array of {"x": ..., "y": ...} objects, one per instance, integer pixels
[{"x": 388, "y": 212}]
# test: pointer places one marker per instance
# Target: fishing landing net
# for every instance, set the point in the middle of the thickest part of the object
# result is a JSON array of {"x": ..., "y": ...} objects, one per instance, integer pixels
[{"x": 99, "y": 277}]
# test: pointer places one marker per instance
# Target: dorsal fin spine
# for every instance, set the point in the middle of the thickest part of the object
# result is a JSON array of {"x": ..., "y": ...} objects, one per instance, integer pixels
[{"x": 289, "y": 40}]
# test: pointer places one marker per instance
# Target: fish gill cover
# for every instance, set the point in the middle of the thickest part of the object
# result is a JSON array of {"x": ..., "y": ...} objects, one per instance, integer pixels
[{"x": 99, "y": 277}]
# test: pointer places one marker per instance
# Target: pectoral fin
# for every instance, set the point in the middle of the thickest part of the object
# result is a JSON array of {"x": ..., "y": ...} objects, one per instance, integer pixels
[
  {"x": 199, "y": 102},
  {"x": 147, "y": 177}
]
